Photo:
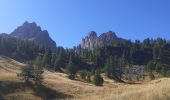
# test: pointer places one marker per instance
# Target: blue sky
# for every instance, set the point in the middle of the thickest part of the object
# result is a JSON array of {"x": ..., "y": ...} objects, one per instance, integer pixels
[{"x": 68, "y": 21}]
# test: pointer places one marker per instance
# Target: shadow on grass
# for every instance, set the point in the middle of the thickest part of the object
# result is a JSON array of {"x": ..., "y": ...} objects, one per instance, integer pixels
[
  {"x": 48, "y": 93},
  {"x": 132, "y": 83},
  {"x": 7, "y": 87}
]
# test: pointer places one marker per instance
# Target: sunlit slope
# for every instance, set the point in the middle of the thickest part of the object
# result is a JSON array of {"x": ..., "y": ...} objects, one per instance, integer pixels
[
  {"x": 73, "y": 89},
  {"x": 9, "y": 65}
]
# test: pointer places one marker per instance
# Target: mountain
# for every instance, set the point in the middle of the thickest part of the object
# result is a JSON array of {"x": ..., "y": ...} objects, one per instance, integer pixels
[
  {"x": 32, "y": 32},
  {"x": 92, "y": 40}
]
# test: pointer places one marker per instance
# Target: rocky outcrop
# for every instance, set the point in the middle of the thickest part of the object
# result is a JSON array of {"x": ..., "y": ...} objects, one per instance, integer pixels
[
  {"x": 32, "y": 32},
  {"x": 106, "y": 39},
  {"x": 89, "y": 41},
  {"x": 92, "y": 40}
]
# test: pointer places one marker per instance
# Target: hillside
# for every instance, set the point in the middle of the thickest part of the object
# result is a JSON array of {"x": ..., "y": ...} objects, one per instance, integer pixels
[
  {"x": 154, "y": 90},
  {"x": 61, "y": 87}
]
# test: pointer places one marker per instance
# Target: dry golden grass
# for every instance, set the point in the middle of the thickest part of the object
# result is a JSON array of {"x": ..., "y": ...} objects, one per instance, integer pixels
[
  {"x": 8, "y": 77},
  {"x": 9, "y": 65},
  {"x": 9, "y": 68},
  {"x": 154, "y": 90},
  {"x": 149, "y": 90},
  {"x": 23, "y": 95}
]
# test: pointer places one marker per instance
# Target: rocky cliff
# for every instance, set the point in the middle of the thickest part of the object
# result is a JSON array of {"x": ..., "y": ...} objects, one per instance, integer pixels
[
  {"x": 89, "y": 41},
  {"x": 92, "y": 40}
]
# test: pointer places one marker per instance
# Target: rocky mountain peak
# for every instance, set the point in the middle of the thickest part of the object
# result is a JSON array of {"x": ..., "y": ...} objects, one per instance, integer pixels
[
  {"x": 33, "y": 32},
  {"x": 106, "y": 38},
  {"x": 92, "y": 34},
  {"x": 89, "y": 41},
  {"x": 92, "y": 40}
]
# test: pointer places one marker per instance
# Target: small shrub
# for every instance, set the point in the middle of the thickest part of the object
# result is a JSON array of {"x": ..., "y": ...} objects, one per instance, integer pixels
[{"x": 98, "y": 80}]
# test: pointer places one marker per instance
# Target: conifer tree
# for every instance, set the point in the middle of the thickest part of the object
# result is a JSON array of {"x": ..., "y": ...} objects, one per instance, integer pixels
[
  {"x": 98, "y": 80},
  {"x": 164, "y": 71},
  {"x": 71, "y": 69},
  {"x": 38, "y": 71},
  {"x": 32, "y": 72},
  {"x": 27, "y": 72}
]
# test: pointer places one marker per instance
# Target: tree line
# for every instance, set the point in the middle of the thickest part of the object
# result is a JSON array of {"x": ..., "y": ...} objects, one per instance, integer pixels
[{"x": 154, "y": 54}]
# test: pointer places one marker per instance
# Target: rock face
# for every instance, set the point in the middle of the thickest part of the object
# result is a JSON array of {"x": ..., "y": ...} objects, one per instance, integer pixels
[
  {"x": 89, "y": 41},
  {"x": 106, "y": 39},
  {"x": 92, "y": 40},
  {"x": 32, "y": 32}
]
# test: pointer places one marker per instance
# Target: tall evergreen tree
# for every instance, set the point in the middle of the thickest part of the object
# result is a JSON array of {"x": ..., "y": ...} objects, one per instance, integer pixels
[
  {"x": 98, "y": 80},
  {"x": 71, "y": 69}
]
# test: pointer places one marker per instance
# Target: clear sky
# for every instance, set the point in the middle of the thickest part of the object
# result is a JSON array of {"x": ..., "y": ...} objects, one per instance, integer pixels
[{"x": 68, "y": 21}]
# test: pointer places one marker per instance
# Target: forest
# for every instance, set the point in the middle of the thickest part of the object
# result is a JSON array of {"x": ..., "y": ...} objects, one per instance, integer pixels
[{"x": 153, "y": 54}]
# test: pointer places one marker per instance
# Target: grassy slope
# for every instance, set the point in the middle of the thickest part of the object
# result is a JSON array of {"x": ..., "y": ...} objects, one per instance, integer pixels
[
  {"x": 66, "y": 89},
  {"x": 11, "y": 87},
  {"x": 154, "y": 90}
]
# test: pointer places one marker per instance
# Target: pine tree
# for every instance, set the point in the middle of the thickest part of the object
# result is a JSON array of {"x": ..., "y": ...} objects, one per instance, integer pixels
[
  {"x": 98, "y": 80},
  {"x": 164, "y": 71},
  {"x": 27, "y": 72},
  {"x": 38, "y": 61},
  {"x": 32, "y": 72},
  {"x": 83, "y": 74},
  {"x": 45, "y": 60},
  {"x": 150, "y": 66},
  {"x": 113, "y": 68},
  {"x": 60, "y": 60},
  {"x": 158, "y": 67},
  {"x": 38, "y": 71},
  {"x": 71, "y": 69},
  {"x": 108, "y": 67},
  {"x": 88, "y": 78},
  {"x": 151, "y": 75},
  {"x": 53, "y": 58}
]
